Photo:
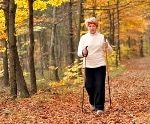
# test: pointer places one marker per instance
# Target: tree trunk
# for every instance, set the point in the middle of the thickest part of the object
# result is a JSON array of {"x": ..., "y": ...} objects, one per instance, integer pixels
[
  {"x": 45, "y": 47},
  {"x": 118, "y": 54},
  {"x": 80, "y": 19},
  {"x": 141, "y": 48},
  {"x": 26, "y": 62},
  {"x": 129, "y": 46},
  {"x": 5, "y": 55},
  {"x": 118, "y": 35},
  {"x": 110, "y": 25},
  {"x": 41, "y": 57},
  {"x": 94, "y": 8},
  {"x": 113, "y": 28},
  {"x": 129, "y": 42},
  {"x": 16, "y": 74},
  {"x": 53, "y": 68},
  {"x": 31, "y": 49},
  {"x": 5, "y": 65},
  {"x": 12, "y": 47},
  {"x": 70, "y": 42},
  {"x": 149, "y": 45},
  {"x": 20, "y": 78}
]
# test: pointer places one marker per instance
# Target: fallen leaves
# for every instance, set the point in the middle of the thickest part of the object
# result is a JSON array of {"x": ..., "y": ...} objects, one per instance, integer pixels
[{"x": 130, "y": 103}]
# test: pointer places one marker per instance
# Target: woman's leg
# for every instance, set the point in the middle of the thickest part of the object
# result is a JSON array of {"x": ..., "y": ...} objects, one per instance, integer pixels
[
  {"x": 89, "y": 84},
  {"x": 99, "y": 99}
]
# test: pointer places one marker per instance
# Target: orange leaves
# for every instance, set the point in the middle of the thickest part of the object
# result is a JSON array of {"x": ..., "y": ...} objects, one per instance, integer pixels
[
  {"x": 130, "y": 102},
  {"x": 131, "y": 16},
  {"x": 133, "y": 25}
]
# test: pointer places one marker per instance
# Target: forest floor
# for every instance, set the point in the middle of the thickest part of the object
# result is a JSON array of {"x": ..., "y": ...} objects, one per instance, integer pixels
[{"x": 130, "y": 93}]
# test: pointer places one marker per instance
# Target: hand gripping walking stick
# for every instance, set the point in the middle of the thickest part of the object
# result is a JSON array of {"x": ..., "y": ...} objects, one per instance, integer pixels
[
  {"x": 84, "y": 79},
  {"x": 107, "y": 70}
]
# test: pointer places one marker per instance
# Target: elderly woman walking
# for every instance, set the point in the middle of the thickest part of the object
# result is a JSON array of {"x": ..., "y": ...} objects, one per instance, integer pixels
[{"x": 92, "y": 45}]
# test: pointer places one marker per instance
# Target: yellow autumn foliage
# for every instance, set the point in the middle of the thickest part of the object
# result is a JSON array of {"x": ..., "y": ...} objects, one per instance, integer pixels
[
  {"x": 56, "y": 2},
  {"x": 2, "y": 25},
  {"x": 72, "y": 76},
  {"x": 40, "y": 5},
  {"x": 22, "y": 12}
]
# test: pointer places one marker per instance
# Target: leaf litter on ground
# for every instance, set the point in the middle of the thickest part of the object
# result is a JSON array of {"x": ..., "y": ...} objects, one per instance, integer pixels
[{"x": 130, "y": 102}]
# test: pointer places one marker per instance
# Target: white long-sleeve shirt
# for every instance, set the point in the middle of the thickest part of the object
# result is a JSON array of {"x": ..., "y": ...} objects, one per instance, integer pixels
[{"x": 95, "y": 49}]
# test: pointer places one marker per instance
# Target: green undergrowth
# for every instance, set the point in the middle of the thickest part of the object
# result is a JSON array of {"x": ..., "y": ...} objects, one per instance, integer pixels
[
  {"x": 116, "y": 71},
  {"x": 73, "y": 79}
]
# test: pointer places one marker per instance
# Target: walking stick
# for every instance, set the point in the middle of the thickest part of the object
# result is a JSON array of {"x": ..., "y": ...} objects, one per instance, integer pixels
[
  {"x": 84, "y": 77},
  {"x": 107, "y": 69},
  {"x": 82, "y": 98}
]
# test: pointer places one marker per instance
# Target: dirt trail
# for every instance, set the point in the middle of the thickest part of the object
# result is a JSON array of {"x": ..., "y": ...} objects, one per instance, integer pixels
[{"x": 130, "y": 103}]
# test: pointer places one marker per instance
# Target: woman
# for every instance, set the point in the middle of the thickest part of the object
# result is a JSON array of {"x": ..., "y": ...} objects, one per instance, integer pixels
[{"x": 93, "y": 46}]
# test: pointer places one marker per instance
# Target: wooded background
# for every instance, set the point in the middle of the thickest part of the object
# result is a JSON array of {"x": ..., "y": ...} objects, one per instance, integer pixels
[{"x": 39, "y": 38}]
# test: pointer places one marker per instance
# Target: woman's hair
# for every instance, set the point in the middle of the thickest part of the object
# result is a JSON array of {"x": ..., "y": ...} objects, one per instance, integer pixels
[{"x": 91, "y": 20}]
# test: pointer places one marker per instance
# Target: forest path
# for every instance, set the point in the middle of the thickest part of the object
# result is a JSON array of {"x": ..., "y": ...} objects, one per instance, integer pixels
[{"x": 130, "y": 94}]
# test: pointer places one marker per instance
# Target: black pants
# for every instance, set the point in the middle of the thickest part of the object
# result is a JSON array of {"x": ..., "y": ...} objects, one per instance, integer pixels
[{"x": 95, "y": 86}]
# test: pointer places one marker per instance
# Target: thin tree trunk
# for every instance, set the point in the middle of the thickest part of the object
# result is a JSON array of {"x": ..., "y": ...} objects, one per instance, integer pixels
[
  {"x": 141, "y": 48},
  {"x": 53, "y": 70},
  {"x": 70, "y": 42},
  {"x": 118, "y": 54},
  {"x": 12, "y": 47},
  {"x": 149, "y": 45},
  {"x": 100, "y": 19},
  {"x": 113, "y": 28},
  {"x": 110, "y": 24},
  {"x": 129, "y": 42},
  {"x": 45, "y": 49},
  {"x": 41, "y": 57},
  {"x": 129, "y": 46},
  {"x": 5, "y": 55},
  {"x": 26, "y": 62},
  {"x": 118, "y": 35},
  {"x": 31, "y": 49},
  {"x": 94, "y": 8},
  {"x": 81, "y": 18},
  {"x": 5, "y": 65}
]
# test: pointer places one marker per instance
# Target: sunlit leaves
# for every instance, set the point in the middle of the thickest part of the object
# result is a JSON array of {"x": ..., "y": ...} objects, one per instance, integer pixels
[
  {"x": 2, "y": 49},
  {"x": 72, "y": 76},
  {"x": 43, "y": 4},
  {"x": 131, "y": 16},
  {"x": 92, "y": 3},
  {"x": 56, "y": 2},
  {"x": 22, "y": 11},
  {"x": 40, "y": 5},
  {"x": 2, "y": 25},
  {"x": 21, "y": 16},
  {"x": 133, "y": 23},
  {"x": 22, "y": 3},
  {"x": 72, "y": 72}
]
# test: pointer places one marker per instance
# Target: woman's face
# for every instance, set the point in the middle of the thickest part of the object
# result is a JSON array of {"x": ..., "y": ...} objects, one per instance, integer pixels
[{"x": 92, "y": 28}]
